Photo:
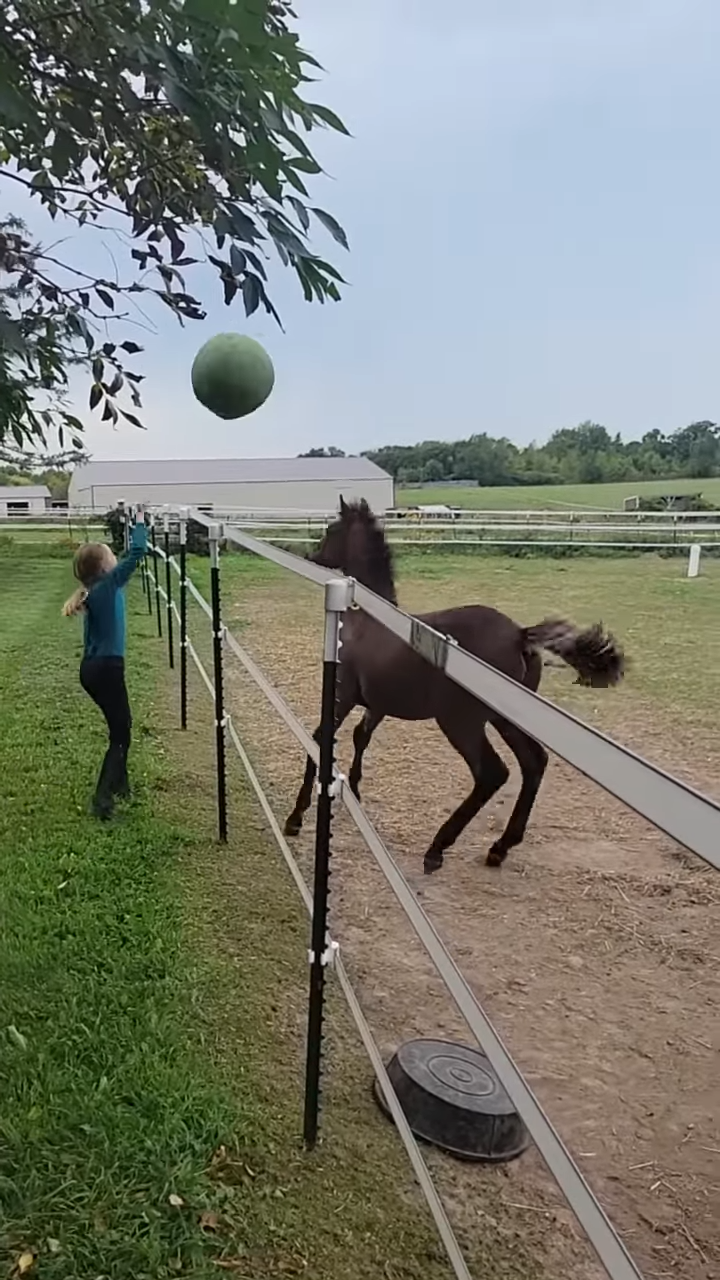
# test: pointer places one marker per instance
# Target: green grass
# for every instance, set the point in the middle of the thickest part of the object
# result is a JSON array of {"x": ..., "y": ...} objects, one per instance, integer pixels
[
  {"x": 546, "y": 497},
  {"x": 152, "y": 997}
]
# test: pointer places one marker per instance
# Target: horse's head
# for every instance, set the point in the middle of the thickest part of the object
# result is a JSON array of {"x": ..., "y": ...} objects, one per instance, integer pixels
[{"x": 355, "y": 545}]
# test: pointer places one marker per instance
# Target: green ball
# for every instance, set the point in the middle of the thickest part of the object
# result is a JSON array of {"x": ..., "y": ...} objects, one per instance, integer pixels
[{"x": 232, "y": 375}]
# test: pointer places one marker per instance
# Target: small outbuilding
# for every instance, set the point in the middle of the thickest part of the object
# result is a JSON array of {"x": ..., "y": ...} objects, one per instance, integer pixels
[
  {"x": 23, "y": 500},
  {"x": 252, "y": 485}
]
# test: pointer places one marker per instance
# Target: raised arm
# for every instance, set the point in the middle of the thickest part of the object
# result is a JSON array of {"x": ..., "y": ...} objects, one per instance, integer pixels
[{"x": 125, "y": 568}]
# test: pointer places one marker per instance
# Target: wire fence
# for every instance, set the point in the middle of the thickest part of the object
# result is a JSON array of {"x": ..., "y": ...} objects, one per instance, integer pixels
[{"x": 681, "y": 812}]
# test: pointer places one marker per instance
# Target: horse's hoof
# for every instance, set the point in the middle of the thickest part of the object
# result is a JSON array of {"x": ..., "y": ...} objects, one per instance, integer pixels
[
  {"x": 496, "y": 856},
  {"x": 293, "y": 827},
  {"x": 432, "y": 863}
]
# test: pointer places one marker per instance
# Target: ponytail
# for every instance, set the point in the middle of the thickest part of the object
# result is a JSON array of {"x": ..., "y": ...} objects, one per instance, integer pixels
[{"x": 76, "y": 603}]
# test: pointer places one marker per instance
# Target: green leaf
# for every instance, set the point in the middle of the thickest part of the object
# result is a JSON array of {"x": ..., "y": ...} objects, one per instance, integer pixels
[
  {"x": 251, "y": 294},
  {"x": 329, "y": 118},
  {"x": 242, "y": 226},
  {"x": 331, "y": 225},
  {"x": 306, "y": 164},
  {"x": 282, "y": 232},
  {"x": 293, "y": 179},
  {"x": 105, "y": 297},
  {"x": 257, "y": 263},
  {"x": 238, "y": 260},
  {"x": 302, "y": 213},
  {"x": 130, "y": 417},
  {"x": 96, "y": 394}
]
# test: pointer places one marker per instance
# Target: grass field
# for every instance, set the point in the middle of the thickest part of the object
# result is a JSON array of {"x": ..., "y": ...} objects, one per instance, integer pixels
[
  {"x": 667, "y": 622},
  {"x": 152, "y": 996},
  {"x": 152, "y": 1008},
  {"x": 570, "y": 497}
]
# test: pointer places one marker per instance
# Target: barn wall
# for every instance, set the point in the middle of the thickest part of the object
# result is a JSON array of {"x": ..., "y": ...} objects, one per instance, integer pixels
[{"x": 312, "y": 495}]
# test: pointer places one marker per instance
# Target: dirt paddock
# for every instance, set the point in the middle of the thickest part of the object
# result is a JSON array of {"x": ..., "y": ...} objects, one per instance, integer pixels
[{"x": 595, "y": 949}]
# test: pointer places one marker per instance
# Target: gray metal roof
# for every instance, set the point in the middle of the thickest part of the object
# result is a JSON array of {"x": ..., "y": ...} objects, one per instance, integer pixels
[
  {"x": 21, "y": 492},
  {"x": 226, "y": 471}
]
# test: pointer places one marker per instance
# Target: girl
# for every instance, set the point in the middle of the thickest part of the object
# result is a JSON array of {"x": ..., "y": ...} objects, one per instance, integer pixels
[{"x": 102, "y": 670}]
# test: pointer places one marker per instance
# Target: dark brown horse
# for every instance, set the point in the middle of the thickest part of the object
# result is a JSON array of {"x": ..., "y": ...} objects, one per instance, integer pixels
[{"x": 382, "y": 674}]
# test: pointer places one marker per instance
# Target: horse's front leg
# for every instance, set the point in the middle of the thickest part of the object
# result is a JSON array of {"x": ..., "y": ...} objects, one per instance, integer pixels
[
  {"x": 293, "y": 825},
  {"x": 364, "y": 731},
  {"x": 347, "y": 699}
]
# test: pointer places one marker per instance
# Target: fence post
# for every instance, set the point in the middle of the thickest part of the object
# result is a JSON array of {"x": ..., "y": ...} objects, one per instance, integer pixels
[
  {"x": 338, "y": 593},
  {"x": 694, "y": 560},
  {"x": 168, "y": 587},
  {"x": 153, "y": 540},
  {"x": 123, "y": 520},
  {"x": 149, "y": 574},
  {"x": 183, "y": 617},
  {"x": 217, "y": 633}
]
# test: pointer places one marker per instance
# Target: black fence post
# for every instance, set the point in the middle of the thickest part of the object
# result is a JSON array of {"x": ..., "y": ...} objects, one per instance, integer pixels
[
  {"x": 183, "y": 618},
  {"x": 153, "y": 540},
  {"x": 168, "y": 588},
  {"x": 123, "y": 522},
  {"x": 338, "y": 595},
  {"x": 217, "y": 632},
  {"x": 144, "y": 576},
  {"x": 150, "y": 572}
]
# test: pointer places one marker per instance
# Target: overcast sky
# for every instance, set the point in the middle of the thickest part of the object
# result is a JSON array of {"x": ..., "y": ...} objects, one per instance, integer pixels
[{"x": 531, "y": 194}]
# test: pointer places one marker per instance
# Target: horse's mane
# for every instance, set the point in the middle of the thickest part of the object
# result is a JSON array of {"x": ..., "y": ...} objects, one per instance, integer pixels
[{"x": 378, "y": 555}]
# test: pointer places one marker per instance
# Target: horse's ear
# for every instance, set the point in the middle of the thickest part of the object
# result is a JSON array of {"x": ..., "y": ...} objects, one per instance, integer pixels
[
  {"x": 343, "y": 506},
  {"x": 364, "y": 507}
]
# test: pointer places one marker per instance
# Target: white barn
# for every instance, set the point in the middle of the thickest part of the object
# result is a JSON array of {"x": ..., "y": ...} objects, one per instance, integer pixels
[
  {"x": 226, "y": 484},
  {"x": 24, "y": 500}
]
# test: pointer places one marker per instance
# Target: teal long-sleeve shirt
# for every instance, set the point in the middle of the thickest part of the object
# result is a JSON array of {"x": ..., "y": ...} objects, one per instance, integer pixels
[{"x": 104, "y": 626}]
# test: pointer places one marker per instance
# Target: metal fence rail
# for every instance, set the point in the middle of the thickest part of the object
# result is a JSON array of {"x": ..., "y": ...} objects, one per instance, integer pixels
[{"x": 690, "y": 818}]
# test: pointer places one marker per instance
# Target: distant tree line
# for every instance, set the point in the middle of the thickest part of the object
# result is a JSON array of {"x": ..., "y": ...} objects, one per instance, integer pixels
[
  {"x": 586, "y": 454},
  {"x": 52, "y": 469}
]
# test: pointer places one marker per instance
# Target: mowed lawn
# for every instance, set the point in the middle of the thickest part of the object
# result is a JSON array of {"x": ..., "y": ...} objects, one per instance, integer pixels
[
  {"x": 568, "y": 497},
  {"x": 152, "y": 1008}
]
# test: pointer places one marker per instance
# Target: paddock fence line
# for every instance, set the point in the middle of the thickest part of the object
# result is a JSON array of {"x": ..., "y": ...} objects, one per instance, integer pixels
[
  {"x": 538, "y": 531},
  {"x": 683, "y": 813}
]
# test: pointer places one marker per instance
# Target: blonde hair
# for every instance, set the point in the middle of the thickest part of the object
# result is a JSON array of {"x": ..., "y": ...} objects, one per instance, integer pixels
[{"x": 89, "y": 564}]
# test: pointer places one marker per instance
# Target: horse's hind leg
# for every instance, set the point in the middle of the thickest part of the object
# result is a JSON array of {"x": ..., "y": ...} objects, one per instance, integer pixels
[
  {"x": 489, "y": 772},
  {"x": 364, "y": 730},
  {"x": 532, "y": 759}
]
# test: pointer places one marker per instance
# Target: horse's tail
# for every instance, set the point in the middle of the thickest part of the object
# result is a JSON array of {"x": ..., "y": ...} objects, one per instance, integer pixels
[{"x": 595, "y": 654}]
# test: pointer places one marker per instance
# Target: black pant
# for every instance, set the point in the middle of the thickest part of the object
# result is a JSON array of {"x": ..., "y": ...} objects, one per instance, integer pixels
[{"x": 104, "y": 680}]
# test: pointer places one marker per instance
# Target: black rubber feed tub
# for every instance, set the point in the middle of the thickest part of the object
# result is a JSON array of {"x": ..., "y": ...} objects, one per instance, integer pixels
[{"x": 453, "y": 1099}]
